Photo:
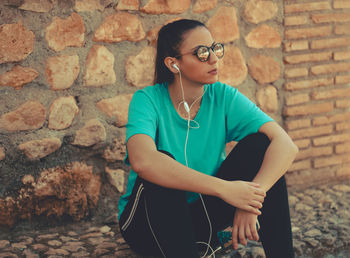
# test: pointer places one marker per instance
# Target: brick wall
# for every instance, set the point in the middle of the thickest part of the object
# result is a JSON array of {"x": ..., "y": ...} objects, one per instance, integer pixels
[
  {"x": 316, "y": 88},
  {"x": 68, "y": 70}
]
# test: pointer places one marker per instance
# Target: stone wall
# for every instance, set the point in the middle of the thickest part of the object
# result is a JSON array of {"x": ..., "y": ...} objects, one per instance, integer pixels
[{"x": 68, "y": 70}]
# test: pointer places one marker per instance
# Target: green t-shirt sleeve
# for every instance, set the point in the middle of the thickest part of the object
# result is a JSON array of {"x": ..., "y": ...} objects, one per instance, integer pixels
[
  {"x": 243, "y": 117},
  {"x": 142, "y": 117}
]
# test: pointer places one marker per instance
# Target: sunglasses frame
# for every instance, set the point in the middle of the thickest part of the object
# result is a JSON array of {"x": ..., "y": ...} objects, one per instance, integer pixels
[{"x": 212, "y": 47}]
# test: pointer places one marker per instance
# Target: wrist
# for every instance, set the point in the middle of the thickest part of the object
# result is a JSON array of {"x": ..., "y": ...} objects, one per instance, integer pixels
[{"x": 218, "y": 187}]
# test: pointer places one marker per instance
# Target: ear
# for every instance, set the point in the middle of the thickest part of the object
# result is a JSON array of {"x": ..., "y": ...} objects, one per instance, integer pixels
[{"x": 169, "y": 61}]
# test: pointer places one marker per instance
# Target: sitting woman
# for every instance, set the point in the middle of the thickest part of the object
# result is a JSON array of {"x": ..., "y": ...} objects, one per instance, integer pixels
[{"x": 182, "y": 189}]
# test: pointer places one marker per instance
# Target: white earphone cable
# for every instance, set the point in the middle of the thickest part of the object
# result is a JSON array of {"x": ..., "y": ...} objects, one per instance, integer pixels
[{"x": 186, "y": 141}]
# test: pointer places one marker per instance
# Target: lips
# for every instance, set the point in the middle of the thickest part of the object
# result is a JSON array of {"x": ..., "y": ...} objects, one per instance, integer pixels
[{"x": 214, "y": 71}]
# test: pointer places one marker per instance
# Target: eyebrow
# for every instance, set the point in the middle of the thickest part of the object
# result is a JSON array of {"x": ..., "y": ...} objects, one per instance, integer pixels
[{"x": 196, "y": 47}]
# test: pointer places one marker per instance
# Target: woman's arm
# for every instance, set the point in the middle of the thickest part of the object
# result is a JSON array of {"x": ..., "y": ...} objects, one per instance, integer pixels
[
  {"x": 160, "y": 169},
  {"x": 278, "y": 157}
]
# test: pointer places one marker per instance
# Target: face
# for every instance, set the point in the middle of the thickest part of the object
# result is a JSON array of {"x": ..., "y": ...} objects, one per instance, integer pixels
[{"x": 192, "y": 69}]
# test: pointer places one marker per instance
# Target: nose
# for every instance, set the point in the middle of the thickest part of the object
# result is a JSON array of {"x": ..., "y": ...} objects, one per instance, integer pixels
[{"x": 213, "y": 58}]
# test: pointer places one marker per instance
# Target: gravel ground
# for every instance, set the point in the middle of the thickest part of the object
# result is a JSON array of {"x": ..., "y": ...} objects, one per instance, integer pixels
[{"x": 320, "y": 224}]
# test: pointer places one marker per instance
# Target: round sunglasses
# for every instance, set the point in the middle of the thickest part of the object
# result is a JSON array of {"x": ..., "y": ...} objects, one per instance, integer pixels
[{"x": 203, "y": 52}]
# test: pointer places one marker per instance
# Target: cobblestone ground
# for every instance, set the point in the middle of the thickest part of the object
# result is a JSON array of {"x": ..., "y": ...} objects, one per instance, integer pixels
[{"x": 320, "y": 224}]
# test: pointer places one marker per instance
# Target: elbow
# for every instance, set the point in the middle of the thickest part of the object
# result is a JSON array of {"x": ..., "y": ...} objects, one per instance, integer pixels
[
  {"x": 293, "y": 149},
  {"x": 139, "y": 166}
]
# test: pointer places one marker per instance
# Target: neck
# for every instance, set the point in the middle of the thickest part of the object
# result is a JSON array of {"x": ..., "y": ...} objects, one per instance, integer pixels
[{"x": 191, "y": 92}]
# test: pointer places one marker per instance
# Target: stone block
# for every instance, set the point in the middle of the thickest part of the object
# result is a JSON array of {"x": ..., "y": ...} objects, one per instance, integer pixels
[
  {"x": 62, "y": 112},
  {"x": 116, "y": 178},
  {"x": 256, "y": 11},
  {"x": 16, "y": 43},
  {"x": 267, "y": 99},
  {"x": 128, "y": 5},
  {"x": 62, "y": 33},
  {"x": 62, "y": 71},
  {"x": 40, "y": 6},
  {"x": 138, "y": 68},
  {"x": 93, "y": 132},
  {"x": 202, "y": 6},
  {"x": 28, "y": 180},
  {"x": 29, "y": 116},
  {"x": 263, "y": 36},
  {"x": 119, "y": 27},
  {"x": 38, "y": 149},
  {"x": 18, "y": 76},
  {"x": 223, "y": 25},
  {"x": 99, "y": 67},
  {"x": 166, "y": 6},
  {"x": 116, "y": 152},
  {"x": 232, "y": 68},
  {"x": 264, "y": 69},
  {"x": 88, "y": 5},
  {"x": 116, "y": 107}
]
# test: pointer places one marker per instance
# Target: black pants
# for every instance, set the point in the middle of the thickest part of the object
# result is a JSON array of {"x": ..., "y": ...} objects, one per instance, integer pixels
[{"x": 159, "y": 221}]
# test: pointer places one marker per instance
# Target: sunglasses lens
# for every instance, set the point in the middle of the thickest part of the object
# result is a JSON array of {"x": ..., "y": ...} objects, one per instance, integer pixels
[
  {"x": 203, "y": 53},
  {"x": 219, "y": 50}
]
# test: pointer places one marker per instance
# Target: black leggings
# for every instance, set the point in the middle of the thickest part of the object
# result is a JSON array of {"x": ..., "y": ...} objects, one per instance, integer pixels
[{"x": 158, "y": 221}]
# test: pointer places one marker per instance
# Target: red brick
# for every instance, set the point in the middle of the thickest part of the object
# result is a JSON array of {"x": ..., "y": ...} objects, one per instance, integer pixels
[
  {"x": 306, "y": 7},
  {"x": 296, "y": 124},
  {"x": 300, "y": 165},
  {"x": 342, "y": 148},
  {"x": 342, "y": 29},
  {"x": 340, "y": 4},
  {"x": 342, "y": 126},
  {"x": 330, "y": 68},
  {"x": 314, "y": 152},
  {"x": 330, "y": 43},
  {"x": 344, "y": 103},
  {"x": 334, "y": 93},
  {"x": 295, "y": 72},
  {"x": 299, "y": 85},
  {"x": 343, "y": 171},
  {"x": 341, "y": 55},
  {"x": 302, "y": 33},
  {"x": 303, "y": 143},
  {"x": 297, "y": 99},
  {"x": 330, "y": 17},
  {"x": 331, "y": 139},
  {"x": 333, "y": 160},
  {"x": 312, "y": 131},
  {"x": 321, "y": 120},
  {"x": 339, "y": 79},
  {"x": 308, "y": 109},
  {"x": 295, "y": 20},
  {"x": 312, "y": 57},
  {"x": 296, "y": 45}
]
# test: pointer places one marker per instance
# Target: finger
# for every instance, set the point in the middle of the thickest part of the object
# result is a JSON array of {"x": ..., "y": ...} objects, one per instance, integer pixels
[
  {"x": 260, "y": 192},
  {"x": 256, "y": 204},
  {"x": 235, "y": 237},
  {"x": 253, "y": 210},
  {"x": 254, "y": 184},
  {"x": 254, "y": 232},
  {"x": 242, "y": 238},
  {"x": 259, "y": 198},
  {"x": 248, "y": 233}
]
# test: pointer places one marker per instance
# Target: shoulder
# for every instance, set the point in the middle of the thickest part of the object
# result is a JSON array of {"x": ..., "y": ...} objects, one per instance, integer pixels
[{"x": 149, "y": 93}]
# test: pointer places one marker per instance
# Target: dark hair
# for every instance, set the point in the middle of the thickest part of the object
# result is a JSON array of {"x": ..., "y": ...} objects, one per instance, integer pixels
[{"x": 170, "y": 37}]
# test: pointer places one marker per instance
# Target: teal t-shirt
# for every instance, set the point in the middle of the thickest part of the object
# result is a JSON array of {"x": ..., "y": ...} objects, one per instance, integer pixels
[{"x": 225, "y": 115}]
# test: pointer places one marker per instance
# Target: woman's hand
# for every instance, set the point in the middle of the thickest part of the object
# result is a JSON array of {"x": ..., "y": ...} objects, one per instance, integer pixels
[
  {"x": 244, "y": 195},
  {"x": 244, "y": 227}
]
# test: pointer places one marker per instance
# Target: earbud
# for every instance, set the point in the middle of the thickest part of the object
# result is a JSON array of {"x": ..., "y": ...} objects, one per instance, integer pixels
[{"x": 175, "y": 66}]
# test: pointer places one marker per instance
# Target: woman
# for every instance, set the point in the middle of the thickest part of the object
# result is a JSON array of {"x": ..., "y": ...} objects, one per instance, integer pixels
[{"x": 176, "y": 136}]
